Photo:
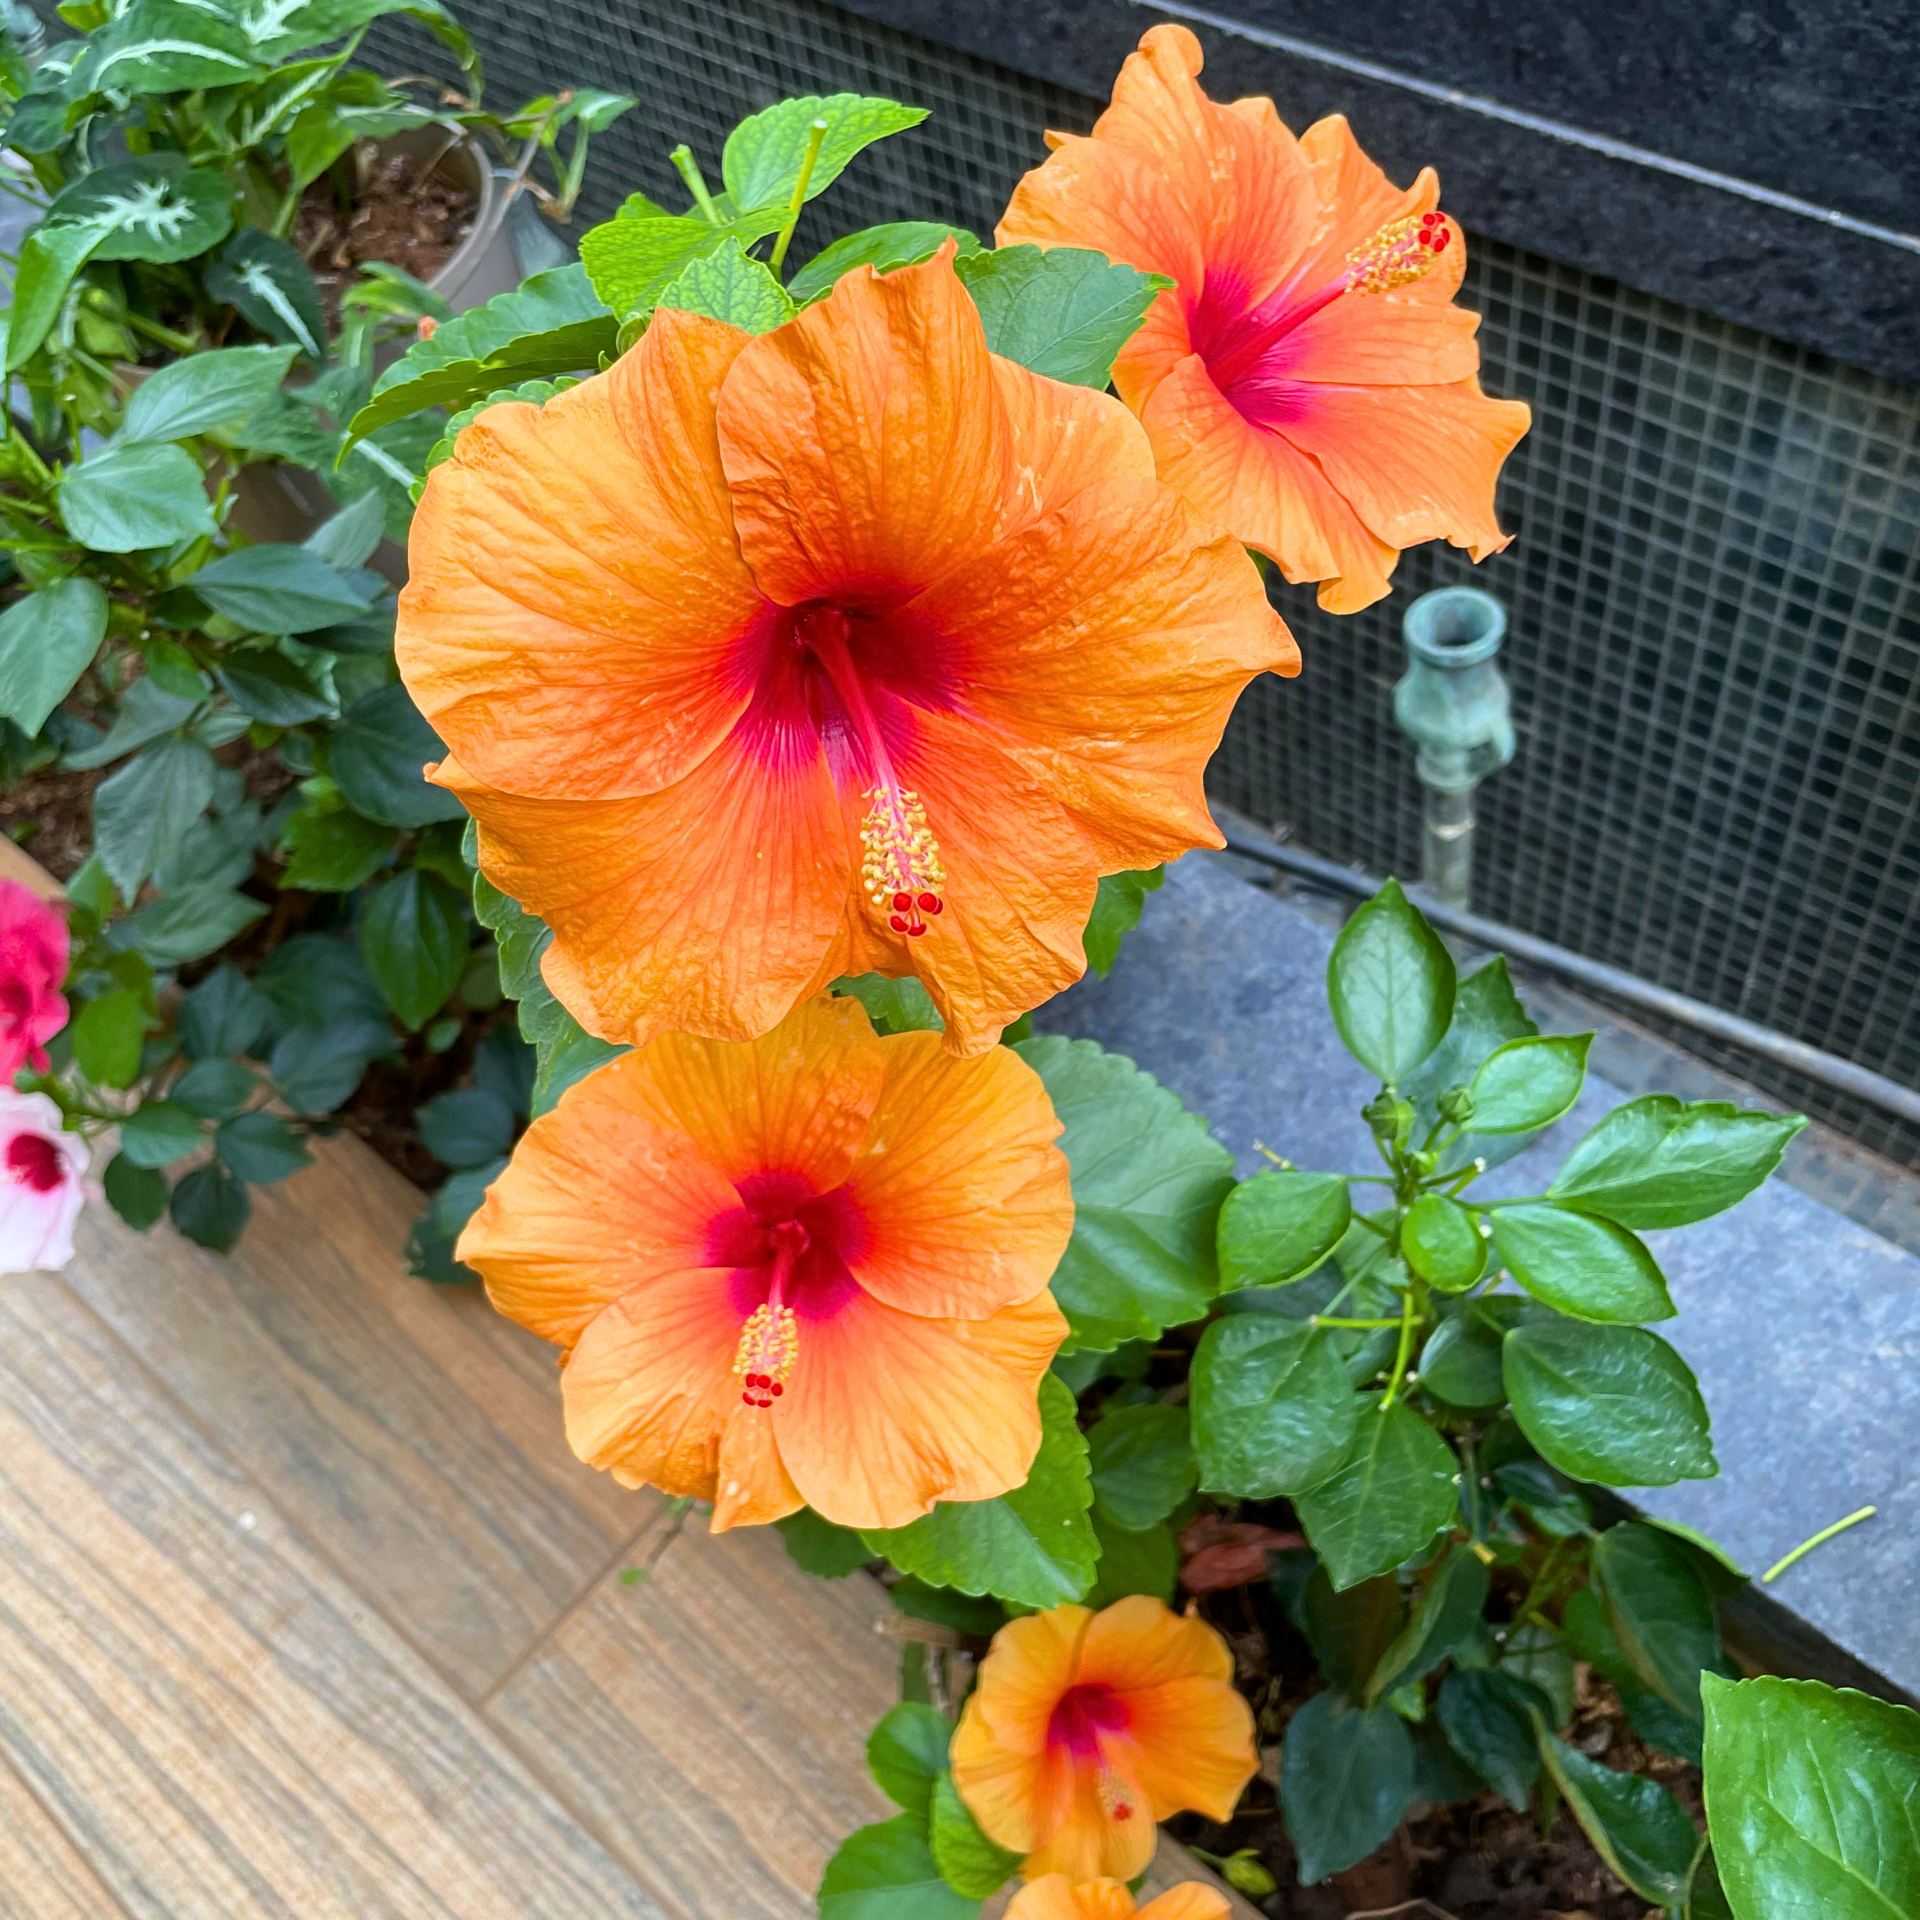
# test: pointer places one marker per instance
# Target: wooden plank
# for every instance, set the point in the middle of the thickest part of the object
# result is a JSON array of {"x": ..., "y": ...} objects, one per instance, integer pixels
[
  {"x": 221, "y": 1726},
  {"x": 712, "y": 1721},
  {"x": 410, "y": 1431},
  {"x": 42, "y": 1877}
]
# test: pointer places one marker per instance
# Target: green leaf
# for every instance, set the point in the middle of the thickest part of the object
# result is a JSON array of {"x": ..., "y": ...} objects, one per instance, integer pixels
[
  {"x": 107, "y": 1035},
  {"x": 137, "y": 1194},
  {"x": 1273, "y": 1410},
  {"x": 260, "y": 1148},
  {"x": 135, "y": 495},
  {"x": 887, "y": 1872},
  {"x": 907, "y": 1752},
  {"x": 1448, "y": 1612},
  {"x": 273, "y": 288},
  {"x": 1659, "y": 1611},
  {"x": 1536, "y": 1654},
  {"x": 969, "y": 1862},
  {"x": 163, "y": 46},
  {"x": 154, "y": 208},
  {"x": 1346, "y": 1780},
  {"x": 213, "y": 1089},
  {"x": 210, "y": 1207},
  {"x": 1395, "y": 1489},
  {"x": 204, "y": 390},
  {"x": 900, "y": 243},
  {"x": 1142, "y": 1464},
  {"x": 725, "y": 284},
  {"x": 315, "y": 1068},
  {"x": 147, "y": 807},
  {"x": 630, "y": 260},
  {"x": 1813, "y": 1800},
  {"x": 50, "y": 257},
  {"x": 1487, "y": 1715},
  {"x": 225, "y": 1013},
  {"x": 551, "y": 324},
  {"x": 1611, "y": 1404},
  {"x": 1148, "y": 1180},
  {"x": 1034, "y": 1545},
  {"x": 1280, "y": 1225},
  {"x": 159, "y": 1132},
  {"x": 1637, "y": 1827},
  {"x": 264, "y": 684},
  {"x": 1145, "y": 1562},
  {"x": 466, "y": 1127},
  {"x": 1581, "y": 1266},
  {"x": 1486, "y": 1012},
  {"x": 1390, "y": 984},
  {"x": 1714, "y": 1564},
  {"x": 1063, "y": 312},
  {"x": 1116, "y": 912},
  {"x": 330, "y": 849},
  {"x": 376, "y": 755},
  {"x": 894, "y": 1006},
  {"x": 1706, "y": 1898},
  {"x": 47, "y": 641},
  {"x": 970, "y": 1615},
  {"x": 765, "y": 152},
  {"x": 1349, "y": 1631},
  {"x": 1461, "y": 1360},
  {"x": 414, "y": 940},
  {"x": 348, "y": 538},
  {"x": 827, "y": 1552},
  {"x": 1529, "y": 1083},
  {"x": 1442, "y": 1243},
  {"x": 1660, "y": 1163},
  {"x": 282, "y": 589}
]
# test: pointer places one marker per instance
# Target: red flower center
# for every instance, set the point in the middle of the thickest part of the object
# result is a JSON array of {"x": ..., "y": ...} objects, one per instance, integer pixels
[
  {"x": 847, "y": 676},
  {"x": 34, "y": 1161},
  {"x": 1081, "y": 1717},
  {"x": 790, "y": 1248}
]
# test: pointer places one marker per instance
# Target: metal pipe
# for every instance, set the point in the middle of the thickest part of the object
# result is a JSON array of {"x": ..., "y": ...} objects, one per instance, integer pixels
[{"x": 1844, "y": 1076}]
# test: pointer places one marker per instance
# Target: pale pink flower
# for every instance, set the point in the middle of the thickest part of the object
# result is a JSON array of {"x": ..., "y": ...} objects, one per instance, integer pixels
[
  {"x": 41, "y": 1170},
  {"x": 33, "y": 964}
]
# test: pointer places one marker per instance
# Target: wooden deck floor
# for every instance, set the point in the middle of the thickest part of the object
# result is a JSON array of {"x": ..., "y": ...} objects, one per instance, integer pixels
[{"x": 306, "y": 1611}]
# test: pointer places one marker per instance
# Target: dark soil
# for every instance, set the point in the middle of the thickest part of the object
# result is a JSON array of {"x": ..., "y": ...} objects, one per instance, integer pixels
[
  {"x": 51, "y": 814},
  {"x": 401, "y": 213}
]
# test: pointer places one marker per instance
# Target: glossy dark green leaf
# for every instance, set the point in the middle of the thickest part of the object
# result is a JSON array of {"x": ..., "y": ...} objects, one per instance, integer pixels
[
  {"x": 766, "y": 152},
  {"x": 1486, "y": 1013},
  {"x": 1460, "y": 1363},
  {"x": 1143, "y": 1562},
  {"x": 1142, "y": 1464},
  {"x": 1442, "y": 1242},
  {"x": 1034, "y": 1545},
  {"x": 1718, "y": 1568},
  {"x": 137, "y": 1194},
  {"x": 1059, "y": 311},
  {"x": 267, "y": 686},
  {"x": 273, "y": 287},
  {"x": 376, "y": 757},
  {"x": 1488, "y": 1717},
  {"x": 153, "y": 208},
  {"x": 260, "y": 1148},
  {"x": 1637, "y": 1827},
  {"x": 213, "y": 1089},
  {"x": 1529, "y": 1083},
  {"x": 1280, "y": 1225},
  {"x": 147, "y": 807},
  {"x": 1659, "y": 1610},
  {"x": 1706, "y": 1898},
  {"x": 1584, "y": 1267},
  {"x": 1813, "y": 1800},
  {"x": 1612, "y": 1404},
  {"x": 275, "y": 588},
  {"x": 827, "y": 1552},
  {"x": 47, "y": 641},
  {"x": 315, "y": 1068},
  {"x": 969, "y": 1862},
  {"x": 1659, "y": 1162},
  {"x": 159, "y": 1132},
  {"x": 331, "y": 849},
  {"x": 975, "y": 1616},
  {"x": 134, "y": 495},
  {"x": 1394, "y": 1490},
  {"x": 1346, "y": 1780},
  {"x": 466, "y": 1126},
  {"x": 414, "y": 940},
  {"x": 187, "y": 925},
  {"x": 1273, "y": 1410},
  {"x": 210, "y": 1207},
  {"x": 1148, "y": 1180},
  {"x": 907, "y": 1753},
  {"x": 900, "y": 243},
  {"x": 887, "y": 1872},
  {"x": 1350, "y": 1631},
  {"x": 1447, "y": 1611},
  {"x": 1390, "y": 985}
]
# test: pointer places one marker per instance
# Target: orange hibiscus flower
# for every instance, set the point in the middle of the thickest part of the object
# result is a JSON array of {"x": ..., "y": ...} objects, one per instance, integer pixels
[
  {"x": 853, "y": 648},
  {"x": 1087, "y": 1728},
  {"x": 809, "y": 1269},
  {"x": 1057, "y": 1898},
  {"x": 1308, "y": 380}
]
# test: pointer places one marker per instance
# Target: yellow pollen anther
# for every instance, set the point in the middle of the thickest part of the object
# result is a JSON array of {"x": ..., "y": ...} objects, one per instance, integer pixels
[
  {"x": 1115, "y": 1800},
  {"x": 769, "y": 1345},
  {"x": 901, "y": 870},
  {"x": 1402, "y": 251}
]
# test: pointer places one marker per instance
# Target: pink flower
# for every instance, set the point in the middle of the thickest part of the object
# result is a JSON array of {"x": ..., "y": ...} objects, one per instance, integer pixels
[
  {"x": 33, "y": 965},
  {"x": 40, "y": 1183}
]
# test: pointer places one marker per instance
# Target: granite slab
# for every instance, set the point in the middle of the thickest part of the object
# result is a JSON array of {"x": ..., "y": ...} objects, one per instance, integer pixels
[{"x": 1804, "y": 1328}]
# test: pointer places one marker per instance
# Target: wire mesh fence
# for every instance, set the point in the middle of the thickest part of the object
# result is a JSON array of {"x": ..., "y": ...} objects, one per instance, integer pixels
[{"x": 1714, "y": 585}]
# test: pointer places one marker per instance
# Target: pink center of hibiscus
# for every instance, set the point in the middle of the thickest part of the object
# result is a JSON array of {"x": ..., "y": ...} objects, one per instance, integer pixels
[
  {"x": 790, "y": 1248},
  {"x": 34, "y": 1161},
  {"x": 1244, "y": 347},
  {"x": 1081, "y": 1717},
  {"x": 848, "y": 676}
]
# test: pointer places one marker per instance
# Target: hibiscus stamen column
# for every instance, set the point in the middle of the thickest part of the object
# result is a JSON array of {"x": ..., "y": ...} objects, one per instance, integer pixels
[
  {"x": 770, "y": 1341},
  {"x": 901, "y": 870}
]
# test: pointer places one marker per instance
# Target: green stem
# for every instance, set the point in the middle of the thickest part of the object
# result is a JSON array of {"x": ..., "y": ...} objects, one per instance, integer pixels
[
  {"x": 1327, "y": 1320},
  {"x": 1819, "y": 1539},
  {"x": 165, "y": 336},
  {"x": 688, "y": 168},
  {"x": 1408, "y": 1314},
  {"x": 816, "y": 139}
]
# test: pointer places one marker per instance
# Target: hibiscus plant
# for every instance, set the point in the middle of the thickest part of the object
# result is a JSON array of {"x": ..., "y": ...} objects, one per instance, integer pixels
[{"x": 167, "y": 351}]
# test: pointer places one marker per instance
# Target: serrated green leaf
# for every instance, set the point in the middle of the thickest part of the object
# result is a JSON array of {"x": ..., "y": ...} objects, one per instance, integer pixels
[
  {"x": 1448, "y": 1611},
  {"x": 210, "y": 1207},
  {"x": 205, "y": 390},
  {"x": 887, "y": 1872},
  {"x": 1273, "y": 1410},
  {"x": 148, "y": 806},
  {"x": 1488, "y": 1715},
  {"x": 629, "y": 261},
  {"x": 275, "y": 588},
  {"x": 1529, "y": 1083},
  {"x": 414, "y": 940},
  {"x": 1659, "y": 1611},
  {"x": 725, "y": 284},
  {"x": 901, "y": 243},
  {"x": 1142, "y": 1464},
  {"x": 765, "y": 152},
  {"x": 333, "y": 850},
  {"x": 137, "y": 1194},
  {"x": 970, "y": 1863},
  {"x": 1394, "y": 1490},
  {"x": 1637, "y": 1827},
  {"x": 107, "y": 1035},
  {"x": 260, "y": 1148},
  {"x": 907, "y": 1753},
  {"x": 1117, "y": 907},
  {"x": 376, "y": 756},
  {"x": 159, "y": 1132},
  {"x": 1346, "y": 1780},
  {"x": 47, "y": 641},
  {"x": 1062, "y": 311}
]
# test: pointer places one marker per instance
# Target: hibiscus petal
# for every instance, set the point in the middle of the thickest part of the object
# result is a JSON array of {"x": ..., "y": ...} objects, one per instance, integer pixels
[
  {"x": 966, "y": 1196},
  {"x": 1192, "y": 1746},
  {"x": 1082, "y": 1832},
  {"x": 575, "y": 589},
  {"x": 1033, "y": 1661},
  {"x": 1190, "y": 1902}
]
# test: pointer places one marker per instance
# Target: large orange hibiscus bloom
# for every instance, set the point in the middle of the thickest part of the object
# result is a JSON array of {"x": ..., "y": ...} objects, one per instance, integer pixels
[
  {"x": 1087, "y": 1728},
  {"x": 806, "y": 1269},
  {"x": 853, "y": 648},
  {"x": 1308, "y": 380},
  {"x": 1057, "y": 1898}
]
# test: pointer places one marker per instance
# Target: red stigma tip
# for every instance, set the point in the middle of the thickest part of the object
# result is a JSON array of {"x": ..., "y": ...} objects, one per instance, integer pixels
[
  {"x": 898, "y": 922},
  {"x": 931, "y": 903},
  {"x": 746, "y": 1399},
  {"x": 775, "y": 1388},
  {"x": 915, "y": 929},
  {"x": 902, "y": 901},
  {"x": 1123, "y": 1811},
  {"x": 1440, "y": 240}
]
